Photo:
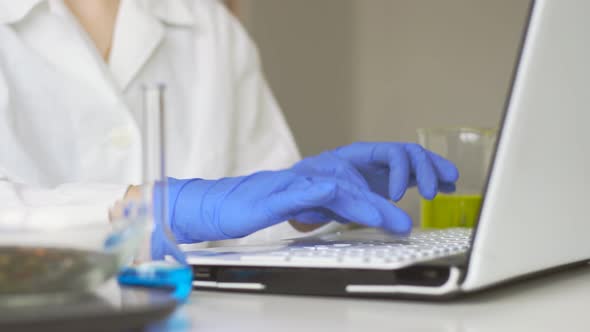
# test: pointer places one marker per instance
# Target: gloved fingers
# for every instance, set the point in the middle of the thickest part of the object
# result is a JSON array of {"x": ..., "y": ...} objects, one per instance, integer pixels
[
  {"x": 339, "y": 197},
  {"x": 346, "y": 201},
  {"x": 351, "y": 204},
  {"x": 345, "y": 170},
  {"x": 356, "y": 153},
  {"x": 423, "y": 169},
  {"x": 391, "y": 218},
  {"x": 447, "y": 187},
  {"x": 160, "y": 247},
  {"x": 301, "y": 195},
  {"x": 312, "y": 217},
  {"x": 446, "y": 170},
  {"x": 388, "y": 155},
  {"x": 399, "y": 172},
  {"x": 319, "y": 215},
  {"x": 368, "y": 154},
  {"x": 394, "y": 219},
  {"x": 443, "y": 186},
  {"x": 329, "y": 164}
]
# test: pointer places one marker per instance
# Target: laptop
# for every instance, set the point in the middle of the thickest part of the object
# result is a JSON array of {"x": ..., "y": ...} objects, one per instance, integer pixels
[{"x": 533, "y": 218}]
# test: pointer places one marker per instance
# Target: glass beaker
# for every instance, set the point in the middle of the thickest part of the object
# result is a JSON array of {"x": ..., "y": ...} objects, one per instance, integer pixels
[
  {"x": 471, "y": 151},
  {"x": 45, "y": 258}
]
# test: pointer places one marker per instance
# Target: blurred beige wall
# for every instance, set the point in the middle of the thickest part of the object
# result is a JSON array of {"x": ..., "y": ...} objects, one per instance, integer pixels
[
  {"x": 307, "y": 49},
  {"x": 348, "y": 70},
  {"x": 433, "y": 63}
]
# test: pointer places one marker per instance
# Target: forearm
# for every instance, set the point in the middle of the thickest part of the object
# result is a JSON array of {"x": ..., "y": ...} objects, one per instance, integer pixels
[
  {"x": 132, "y": 194},
  {"x": 65, "y": 204}
]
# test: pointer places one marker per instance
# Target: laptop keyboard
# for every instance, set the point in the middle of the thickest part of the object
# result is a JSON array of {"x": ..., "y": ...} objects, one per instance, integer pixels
[{"x": 420, "y": 245}]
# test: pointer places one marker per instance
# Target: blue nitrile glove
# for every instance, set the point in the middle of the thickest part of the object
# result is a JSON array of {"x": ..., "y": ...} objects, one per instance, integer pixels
[
  {"x": 208, "y": 210},
  {"x": 385, "y": 168}
]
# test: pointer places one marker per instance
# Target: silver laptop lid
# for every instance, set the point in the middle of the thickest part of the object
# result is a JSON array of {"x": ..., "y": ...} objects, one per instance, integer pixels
[{"x": 535, "y": 211}]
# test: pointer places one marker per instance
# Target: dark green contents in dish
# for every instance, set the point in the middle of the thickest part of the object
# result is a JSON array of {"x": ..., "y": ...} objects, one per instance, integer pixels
[{"x": 34, "y": 270}]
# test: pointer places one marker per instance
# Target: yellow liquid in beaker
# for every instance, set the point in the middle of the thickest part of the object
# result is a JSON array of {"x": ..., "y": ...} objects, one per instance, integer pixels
[{"x": 452, "y": 210}]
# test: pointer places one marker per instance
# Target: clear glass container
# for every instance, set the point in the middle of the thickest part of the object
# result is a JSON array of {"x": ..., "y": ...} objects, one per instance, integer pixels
[
  {"x": 44, "y": 260},
  {"x": 471, "y": 150},
  {"x": 47, "y": 258}
]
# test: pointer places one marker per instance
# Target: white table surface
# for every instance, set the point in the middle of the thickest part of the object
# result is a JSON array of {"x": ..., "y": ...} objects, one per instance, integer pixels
[{"x": 559, "y": 302}]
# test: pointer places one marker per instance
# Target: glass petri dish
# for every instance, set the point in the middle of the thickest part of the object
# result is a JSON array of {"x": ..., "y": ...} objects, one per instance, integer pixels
[{"x": 45, "y": 260}]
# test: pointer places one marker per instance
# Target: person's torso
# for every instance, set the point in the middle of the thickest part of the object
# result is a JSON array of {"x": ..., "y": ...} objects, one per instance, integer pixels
[{"x": 66, "y": 116}]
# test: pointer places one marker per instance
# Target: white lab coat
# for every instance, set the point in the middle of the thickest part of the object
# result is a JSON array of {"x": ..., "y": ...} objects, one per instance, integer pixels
[{"x": 69, "y": 140}]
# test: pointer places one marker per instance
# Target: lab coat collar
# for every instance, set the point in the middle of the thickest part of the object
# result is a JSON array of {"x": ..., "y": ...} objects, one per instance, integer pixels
[
  {"x": 139, "y": 31},
  {"x": 137, "y": 35},
  {"x": 174, "y": 12},
  {"x": 12, "y": 11}
]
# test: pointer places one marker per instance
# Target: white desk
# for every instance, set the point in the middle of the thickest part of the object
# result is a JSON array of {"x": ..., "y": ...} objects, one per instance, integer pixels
[{"x": 559, "y": 302}]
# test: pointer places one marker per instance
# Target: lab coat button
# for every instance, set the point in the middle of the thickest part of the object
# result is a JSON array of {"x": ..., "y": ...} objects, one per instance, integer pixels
[{"x": 120, "y": 137}]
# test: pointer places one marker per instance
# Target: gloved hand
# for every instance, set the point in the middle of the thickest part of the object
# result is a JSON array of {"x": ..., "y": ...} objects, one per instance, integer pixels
[
  {"x": 207, "y": 210},
  {"x": 387, "y": 169}
]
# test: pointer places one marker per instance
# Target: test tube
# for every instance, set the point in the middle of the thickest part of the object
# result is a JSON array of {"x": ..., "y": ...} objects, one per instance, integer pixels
[
  {"x": 153, "y": 137},
  {"x": 158, "y": 274},
  {"x": 152, "y": 119}
]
